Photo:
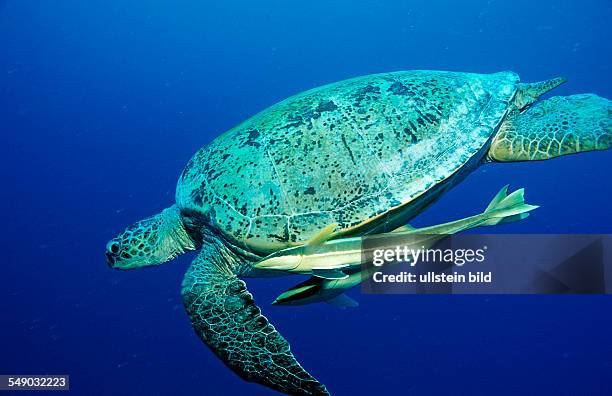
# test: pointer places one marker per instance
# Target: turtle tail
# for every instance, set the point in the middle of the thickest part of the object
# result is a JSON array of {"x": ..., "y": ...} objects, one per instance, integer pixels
[{"x": 528, "y": 93}]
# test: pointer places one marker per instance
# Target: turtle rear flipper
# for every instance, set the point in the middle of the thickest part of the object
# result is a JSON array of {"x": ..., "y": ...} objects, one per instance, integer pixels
[
  {"x": 226, "y": 318},
  {"x": 558, "y": 126}
]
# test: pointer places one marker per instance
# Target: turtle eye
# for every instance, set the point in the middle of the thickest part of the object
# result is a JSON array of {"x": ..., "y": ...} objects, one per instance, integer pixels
[{"x": 113, "y": 247}]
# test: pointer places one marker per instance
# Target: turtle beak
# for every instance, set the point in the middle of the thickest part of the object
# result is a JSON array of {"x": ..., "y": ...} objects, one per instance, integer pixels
[
  {"x": 112, "y": 250},
  {"x": 110, "y": 259}
]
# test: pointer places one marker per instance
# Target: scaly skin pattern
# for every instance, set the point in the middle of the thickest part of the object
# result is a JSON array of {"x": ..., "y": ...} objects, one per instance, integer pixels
[
  {"x": 343, "y": 153},
  {"x": 558, "y": 126},
  {"x": 226, "y": 318},
  {"x": 151, "y": 241}
]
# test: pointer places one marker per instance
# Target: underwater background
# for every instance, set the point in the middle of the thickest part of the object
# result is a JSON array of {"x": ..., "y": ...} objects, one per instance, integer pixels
[{"x": 102, "y": 103}]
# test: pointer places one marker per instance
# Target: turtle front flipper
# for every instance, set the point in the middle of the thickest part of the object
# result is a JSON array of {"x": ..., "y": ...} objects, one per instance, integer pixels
[
  {"x": 558, "y": 126},
  {"x": 226, "y": 318}
]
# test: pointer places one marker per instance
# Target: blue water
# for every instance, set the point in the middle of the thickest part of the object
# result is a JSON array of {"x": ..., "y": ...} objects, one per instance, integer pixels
[{"x": 103, "y": 102}]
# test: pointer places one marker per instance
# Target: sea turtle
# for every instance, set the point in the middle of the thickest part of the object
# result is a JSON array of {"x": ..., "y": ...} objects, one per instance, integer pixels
[{"x": 365, "y": 154}]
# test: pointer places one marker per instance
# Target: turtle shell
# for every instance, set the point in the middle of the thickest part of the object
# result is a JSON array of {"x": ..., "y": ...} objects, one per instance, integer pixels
[{"x": 365, "y": 153}]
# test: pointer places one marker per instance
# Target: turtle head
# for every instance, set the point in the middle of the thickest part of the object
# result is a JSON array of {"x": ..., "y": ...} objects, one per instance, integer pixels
[{"x": 152, "y": 241}]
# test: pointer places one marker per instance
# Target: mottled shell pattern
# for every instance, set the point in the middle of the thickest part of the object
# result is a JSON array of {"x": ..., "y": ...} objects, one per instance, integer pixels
[{"x": 343, "y": 153}]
